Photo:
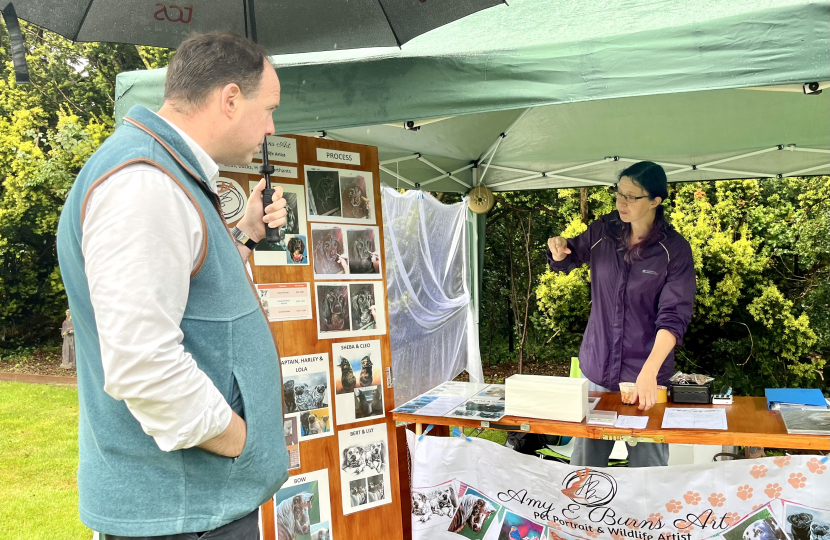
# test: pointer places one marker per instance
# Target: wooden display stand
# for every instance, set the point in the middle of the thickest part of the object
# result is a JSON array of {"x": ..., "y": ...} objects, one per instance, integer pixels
[{"x": 299, "y": 337}]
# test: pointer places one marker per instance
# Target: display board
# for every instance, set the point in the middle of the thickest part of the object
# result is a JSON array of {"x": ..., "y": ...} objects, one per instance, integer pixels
[{"x": 324, "y": 291}]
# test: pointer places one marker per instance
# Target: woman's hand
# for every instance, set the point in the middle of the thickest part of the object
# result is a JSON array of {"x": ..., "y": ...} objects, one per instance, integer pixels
[
  {"x": 558, "y": 248},
  {"x": 343, "y": 260},
  {"x": 645, "y": 389}
]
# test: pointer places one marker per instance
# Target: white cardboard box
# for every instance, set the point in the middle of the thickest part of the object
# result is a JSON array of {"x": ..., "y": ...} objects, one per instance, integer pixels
[{"x": 549, "y": 398}]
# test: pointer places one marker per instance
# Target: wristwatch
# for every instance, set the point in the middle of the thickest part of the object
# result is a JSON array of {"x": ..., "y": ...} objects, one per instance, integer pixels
[{"x": 242, "y": 238}]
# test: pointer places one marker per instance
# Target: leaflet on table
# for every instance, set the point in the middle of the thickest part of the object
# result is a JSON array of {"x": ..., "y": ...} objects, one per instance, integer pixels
[
  {"x": 449, "y": 396},
  {"x": 477, "y": 408},
  {"x": 683, "y": 418}
]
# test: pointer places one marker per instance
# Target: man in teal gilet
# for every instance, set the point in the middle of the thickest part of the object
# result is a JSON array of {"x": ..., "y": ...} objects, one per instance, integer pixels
[{"x": 180, "y": 428}]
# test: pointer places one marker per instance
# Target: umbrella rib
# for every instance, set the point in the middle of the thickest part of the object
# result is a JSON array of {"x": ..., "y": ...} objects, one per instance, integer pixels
[
  {"x": 397, "y": 39},
  {"x": 83, "y": 20}
]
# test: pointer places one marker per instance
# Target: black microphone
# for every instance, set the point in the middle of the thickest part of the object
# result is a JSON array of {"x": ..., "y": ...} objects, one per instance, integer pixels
[{"x": 272, "y": 235}]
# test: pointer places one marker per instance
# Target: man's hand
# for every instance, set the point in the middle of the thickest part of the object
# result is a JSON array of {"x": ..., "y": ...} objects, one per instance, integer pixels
[
  {"x": 558, "y": 248},
  {"x": 343, "y": 260},
  {"x": 230, "y": 442},
  {"x": 254, "y": 221}
]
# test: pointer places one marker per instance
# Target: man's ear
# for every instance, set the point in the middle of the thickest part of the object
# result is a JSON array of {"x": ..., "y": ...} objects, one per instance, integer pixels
[{"x": 230, "y": 96}]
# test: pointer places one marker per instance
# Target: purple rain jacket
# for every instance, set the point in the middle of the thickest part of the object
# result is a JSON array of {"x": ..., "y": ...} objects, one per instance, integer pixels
[{"x": 630, "y": 302}]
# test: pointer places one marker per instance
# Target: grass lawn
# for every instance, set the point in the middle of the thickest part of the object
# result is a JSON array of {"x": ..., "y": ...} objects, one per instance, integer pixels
[{"x": 38, "y": 463}]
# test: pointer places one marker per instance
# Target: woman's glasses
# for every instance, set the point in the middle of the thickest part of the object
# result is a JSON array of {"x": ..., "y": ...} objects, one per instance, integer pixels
[{"x": 628, "y": 198}]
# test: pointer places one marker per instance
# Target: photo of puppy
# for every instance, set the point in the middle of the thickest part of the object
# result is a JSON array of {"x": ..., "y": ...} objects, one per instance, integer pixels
[
  {"x": 327, "y": 249},
  {"x": 357, "y": 492},
  {"x": 362, "y": 301},
  {"x": 324, "y": 190},
  {"x": 355, "y": 203},
  {"x": 333, "y": 307},
  {"x": 361, "y": 248}
]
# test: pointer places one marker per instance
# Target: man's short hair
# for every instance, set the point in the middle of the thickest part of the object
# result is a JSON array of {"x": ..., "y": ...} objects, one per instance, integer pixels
[{"x": 205, "y": 62}]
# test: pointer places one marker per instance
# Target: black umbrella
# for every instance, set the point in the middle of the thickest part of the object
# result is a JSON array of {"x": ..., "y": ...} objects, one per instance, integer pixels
[{"x": 281, "y": 26}]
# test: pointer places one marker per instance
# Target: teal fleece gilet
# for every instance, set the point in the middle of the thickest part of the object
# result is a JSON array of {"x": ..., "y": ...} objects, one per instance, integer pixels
[{"x": 127, "y": 486}]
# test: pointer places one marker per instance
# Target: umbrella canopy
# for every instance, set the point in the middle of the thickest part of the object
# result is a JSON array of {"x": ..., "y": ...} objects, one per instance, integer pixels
[
  {"x": 281, "y": 26},
  {"x": 578, "y": 89}
]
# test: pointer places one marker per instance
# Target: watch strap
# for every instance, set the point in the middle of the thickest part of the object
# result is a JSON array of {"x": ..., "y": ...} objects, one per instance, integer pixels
[{"x": 242, "y": 238}]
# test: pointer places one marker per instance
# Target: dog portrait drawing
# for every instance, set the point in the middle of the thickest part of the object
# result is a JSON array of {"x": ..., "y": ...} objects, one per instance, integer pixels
[
  {"x": 366, "y": 374},
  {"x": 355, "y": 203},
  {"x": 327, "y": 247},
  {"x": 292, "y": 516},
  {"x": 353, "y": 460},
  {"x": 325, "y": 192},
  {"x": 472, "y": 513},
  {"x": 362, "y": 301},
  {"x": 374, "y": 456},
  {"x": 332, "y": 308},
  {"x": 292, "y": 222},
  {"x": 361, "y": 251},
  {"x": 296, "y": 249}
]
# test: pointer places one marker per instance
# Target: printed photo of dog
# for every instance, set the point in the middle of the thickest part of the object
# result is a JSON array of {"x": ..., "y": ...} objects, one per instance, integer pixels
[
  {"x": 321, "y": 531},
  {"x": 760, "y": 525},
  {"x": 358, "y": 494},
  {"x": 474, "y": 515},
  {"x": 297, "y": 252},
  {"x": 368, "y": 402},
  {"x": 515, "y": 527},
  {"x": 314, "y": 422},
  {"x": 375, "y": 484},
  {"x": 291, "y": 432},
  {"x": 805, "y": 523}
]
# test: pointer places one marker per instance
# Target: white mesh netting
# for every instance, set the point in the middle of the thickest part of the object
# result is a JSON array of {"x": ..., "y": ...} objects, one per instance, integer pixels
[{"x": 432, "y": 327}]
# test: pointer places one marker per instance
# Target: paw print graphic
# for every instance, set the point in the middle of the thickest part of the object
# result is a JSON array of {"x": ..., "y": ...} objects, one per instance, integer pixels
[
  {"x": 592, "y": 533},
  {"x": 691, "y": 497},
  {"x": 617, "y": 536},
  {"x": 717, "y": 499},
  {"x": 816, "y": 466},
  {"x": 797, "y": 480},
  {"x": 710, "y": 521},
  {"x": 554, "y": 525},
  {"x": 773, "y": 491},
  {"x": 730, "y": 518},
  {"x": 685, "y": 526},
  {"x": 781, "y": 461},
  {"x": 758, "y": 471},
  {"x": 674, "y": 506},
  {"x": 757, "y": 506},
  {"x": 745, "y": 492},
  {"x": 654, "y": 519}
]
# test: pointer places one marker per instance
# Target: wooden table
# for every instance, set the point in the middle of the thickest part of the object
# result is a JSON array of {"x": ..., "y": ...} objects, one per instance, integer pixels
[{"x": 750, "y": 424}]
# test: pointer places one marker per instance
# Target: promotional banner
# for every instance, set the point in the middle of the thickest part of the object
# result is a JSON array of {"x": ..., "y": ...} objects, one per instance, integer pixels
[{"x": 480, "y": 490}]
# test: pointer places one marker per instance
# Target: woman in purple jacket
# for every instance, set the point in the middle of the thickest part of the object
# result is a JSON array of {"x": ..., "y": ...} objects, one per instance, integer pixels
[{"x": 642, "y": 291}]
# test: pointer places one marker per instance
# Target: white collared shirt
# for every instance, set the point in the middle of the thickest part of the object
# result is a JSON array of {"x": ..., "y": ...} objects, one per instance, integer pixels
[{"x": 142, "y": 238}]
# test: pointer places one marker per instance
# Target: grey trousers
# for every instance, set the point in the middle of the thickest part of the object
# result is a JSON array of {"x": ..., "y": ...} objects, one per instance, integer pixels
[
  {"x": 244, "y": 528},
  {"x": 595, "y": 452}
]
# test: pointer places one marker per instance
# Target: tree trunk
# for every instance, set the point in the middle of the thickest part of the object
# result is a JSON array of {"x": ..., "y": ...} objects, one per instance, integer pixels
[
  {"x": 490, "y": 336},
  {"x": 510, "y": 323},
  {"x": 583, "y": 204}
]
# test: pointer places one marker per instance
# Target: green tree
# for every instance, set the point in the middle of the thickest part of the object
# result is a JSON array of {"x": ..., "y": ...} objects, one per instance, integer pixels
[{"x": 47, "y": 132}]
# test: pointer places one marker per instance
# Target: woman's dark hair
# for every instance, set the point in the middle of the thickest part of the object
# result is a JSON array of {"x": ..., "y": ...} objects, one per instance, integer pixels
[
  {"x": 652, "y": 178},
  {"x": 649, "y": 176}
]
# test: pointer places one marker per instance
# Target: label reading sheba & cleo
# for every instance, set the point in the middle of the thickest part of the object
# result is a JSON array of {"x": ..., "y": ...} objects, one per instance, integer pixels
[{"x": 338, "y": 156}]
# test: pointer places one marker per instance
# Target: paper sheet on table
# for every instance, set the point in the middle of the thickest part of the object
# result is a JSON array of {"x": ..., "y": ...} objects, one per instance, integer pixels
[
  {"x": 632, "y": 422},
  {"x": 676, "y": 417}
]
